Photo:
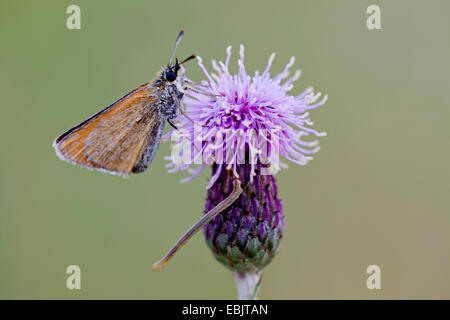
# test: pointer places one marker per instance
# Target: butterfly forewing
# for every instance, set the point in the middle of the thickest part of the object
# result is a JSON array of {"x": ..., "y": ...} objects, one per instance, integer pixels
[
  {"x": 119, "y": 141},
  {"x": 122, "y": 138}
]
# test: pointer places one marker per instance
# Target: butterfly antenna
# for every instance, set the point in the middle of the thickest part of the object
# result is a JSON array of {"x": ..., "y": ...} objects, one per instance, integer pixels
[
  {"x": 193, "y": 56},
  {"x": 180, "y": 35}
]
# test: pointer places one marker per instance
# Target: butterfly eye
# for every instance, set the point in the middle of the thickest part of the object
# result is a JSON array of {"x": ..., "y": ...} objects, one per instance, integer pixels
[{"x": 171, "y": 76}]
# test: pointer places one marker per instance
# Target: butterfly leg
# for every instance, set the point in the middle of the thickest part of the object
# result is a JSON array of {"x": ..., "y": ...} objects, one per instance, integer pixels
[
  {"x": 187, "y": 117},
  {"x": 199, "y": 92},
  {"x": 172, "y": 124}
]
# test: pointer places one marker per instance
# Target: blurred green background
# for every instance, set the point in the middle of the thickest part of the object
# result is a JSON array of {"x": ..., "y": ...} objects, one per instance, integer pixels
[{"x": 377, "y": 193}]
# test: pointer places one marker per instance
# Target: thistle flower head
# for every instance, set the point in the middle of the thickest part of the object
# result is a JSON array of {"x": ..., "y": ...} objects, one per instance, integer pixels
[
  {"x": 240, "y": 125},
  {"x": 247, "y": 112}
]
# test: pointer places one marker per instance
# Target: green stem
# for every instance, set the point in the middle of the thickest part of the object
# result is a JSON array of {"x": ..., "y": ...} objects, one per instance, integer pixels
[{"x": 247, "y": 285}]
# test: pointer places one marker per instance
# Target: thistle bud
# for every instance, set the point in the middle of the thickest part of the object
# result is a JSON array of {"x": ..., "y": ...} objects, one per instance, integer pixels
[{"x": 246, "y": 236}]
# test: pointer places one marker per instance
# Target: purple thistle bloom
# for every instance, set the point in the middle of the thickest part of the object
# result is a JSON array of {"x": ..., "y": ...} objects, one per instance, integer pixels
[
  {"x": 241, "y": 125},
  {"x": 238, "y": 104}
]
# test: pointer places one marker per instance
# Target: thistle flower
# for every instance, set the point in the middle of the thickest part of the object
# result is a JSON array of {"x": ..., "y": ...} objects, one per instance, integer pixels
[{"x": 240, "y": 126}]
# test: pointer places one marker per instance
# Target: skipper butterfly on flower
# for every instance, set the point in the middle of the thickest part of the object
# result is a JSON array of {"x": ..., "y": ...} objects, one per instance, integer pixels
[{"x": 123, "y": 138}]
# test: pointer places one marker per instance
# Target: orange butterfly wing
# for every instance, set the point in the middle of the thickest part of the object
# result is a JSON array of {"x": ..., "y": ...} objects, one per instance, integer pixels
[{"x": 115, "y": 139}]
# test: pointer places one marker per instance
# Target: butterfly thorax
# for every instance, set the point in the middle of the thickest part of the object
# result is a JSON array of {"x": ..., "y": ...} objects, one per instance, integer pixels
[{"x": 168, "y": 94}]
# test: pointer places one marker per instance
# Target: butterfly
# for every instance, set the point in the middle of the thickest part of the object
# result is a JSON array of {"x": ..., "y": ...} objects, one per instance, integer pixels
[{"x": 123, "y": 138}]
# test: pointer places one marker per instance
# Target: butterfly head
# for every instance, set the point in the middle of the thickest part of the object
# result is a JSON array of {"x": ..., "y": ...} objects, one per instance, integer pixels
[{"x": 176, "y": 71}]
